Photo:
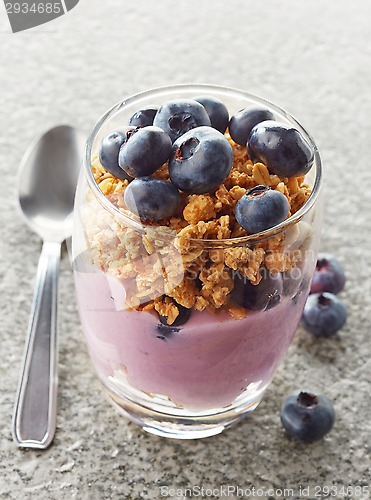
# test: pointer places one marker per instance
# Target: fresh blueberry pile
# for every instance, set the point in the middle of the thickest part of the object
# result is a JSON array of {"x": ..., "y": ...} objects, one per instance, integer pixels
[
  {"x": 307, "y": 416},
  {"x": 189, "y": 136}
]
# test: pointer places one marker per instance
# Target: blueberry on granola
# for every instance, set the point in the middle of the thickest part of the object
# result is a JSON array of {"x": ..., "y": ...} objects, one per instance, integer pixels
[
  {"x": 324, "y": 314},
  {"x": 328, "y": 276},
  {"x": 242, "y": 123},
  {"x": 307, "y": 416},
  {"x": 109, "y": 152},
  {"x": 152, "y": 199},
  {"x": 144, "y": 117},
  {"x": 201, "y": 160},
  {"x": 217, "y": 111},
  {"x": 177, "y": 117},
  {"x": 281, "y": 147},
  {"x": 145, "y": 151},
  {"x": 261, "y": 208}
]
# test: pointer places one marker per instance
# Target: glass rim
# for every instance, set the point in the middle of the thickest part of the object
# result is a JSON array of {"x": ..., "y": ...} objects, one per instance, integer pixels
[{"x": 251, "y": 238}]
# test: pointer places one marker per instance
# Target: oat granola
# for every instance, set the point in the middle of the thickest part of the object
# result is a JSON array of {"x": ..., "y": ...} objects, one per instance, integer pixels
[{"x": 167, "y": 264}]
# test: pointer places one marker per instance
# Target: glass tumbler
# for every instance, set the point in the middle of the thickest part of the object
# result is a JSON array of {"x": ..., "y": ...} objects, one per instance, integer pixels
[{"x": 211, "y": 366}]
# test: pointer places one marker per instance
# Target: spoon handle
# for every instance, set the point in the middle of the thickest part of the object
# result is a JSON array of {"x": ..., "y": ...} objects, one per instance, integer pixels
[{"x": 34, "y": 419}]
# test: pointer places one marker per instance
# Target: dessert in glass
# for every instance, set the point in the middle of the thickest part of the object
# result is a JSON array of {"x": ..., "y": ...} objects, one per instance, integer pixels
[{"x": 195, "y": 239}]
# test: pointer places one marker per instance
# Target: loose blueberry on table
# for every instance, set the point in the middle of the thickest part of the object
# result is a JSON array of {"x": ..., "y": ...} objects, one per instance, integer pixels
[
  {"x": 328, "y": 276},
  {"x": 324, "y": 314},
  {"x": 307, "y": 416}
]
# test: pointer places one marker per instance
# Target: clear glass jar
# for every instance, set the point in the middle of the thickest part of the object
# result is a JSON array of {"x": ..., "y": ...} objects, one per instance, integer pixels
[{"x": 194, "y": 379}]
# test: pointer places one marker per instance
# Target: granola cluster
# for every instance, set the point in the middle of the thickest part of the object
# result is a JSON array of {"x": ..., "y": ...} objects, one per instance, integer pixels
[{"x": 167, "y": 264}]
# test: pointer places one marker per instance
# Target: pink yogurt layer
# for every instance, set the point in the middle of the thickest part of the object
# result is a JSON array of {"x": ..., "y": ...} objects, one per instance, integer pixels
[{"x": 206, "y": 364}]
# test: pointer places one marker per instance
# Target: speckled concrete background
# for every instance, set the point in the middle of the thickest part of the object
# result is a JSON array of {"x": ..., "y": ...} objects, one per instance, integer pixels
[{"x": 312, "y": 58}]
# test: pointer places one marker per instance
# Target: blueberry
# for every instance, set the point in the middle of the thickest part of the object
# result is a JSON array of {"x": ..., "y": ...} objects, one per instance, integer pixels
[
  {"x": 263, "y": 296},
  {"x": 144, "y": 117},
  {"x": 109, "y": 152},
  {"x": 261, "y": 208},
  {"x": 217, "y": 111},
  {"x": 295, "y": 284},
  {"x": 307, "y": 416},
  {"x": 244, "y": 121},
  {"x": 166, "y": 331},
  {"x": 303, "y": 289},
  {"x": 184, "y": 315},
  {"x": 291, "y": 281},
  {"x": 324, "y": 314},
  {"x": 152, "y": 199},
  {"x": 145, "y": 151},
  {"x": 177, "y": 117},
  {"x": 281, "y": 147},
  {"x": 201, "y": 160},
  {"x": 328, "y": 276}
]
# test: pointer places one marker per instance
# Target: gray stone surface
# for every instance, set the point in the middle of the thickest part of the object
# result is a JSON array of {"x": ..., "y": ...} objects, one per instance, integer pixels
[{"x": 312, "y": 58}]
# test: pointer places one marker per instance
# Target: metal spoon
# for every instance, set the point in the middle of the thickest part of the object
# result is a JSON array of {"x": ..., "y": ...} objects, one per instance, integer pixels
[{"x": 46, "y": 186}]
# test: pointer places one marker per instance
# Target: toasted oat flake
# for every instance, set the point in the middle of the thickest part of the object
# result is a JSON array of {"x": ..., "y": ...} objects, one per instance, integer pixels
[
  {"x": 201, "y": 207},
  {"x": 167, "y": 308},
  {"x": 245, "y": 261},
  {"x": 278, "y": 262},
  {"x": 261, "y": 174},
  {"x": 184, "y": 293},
  {"x": 237, "y": 192}
]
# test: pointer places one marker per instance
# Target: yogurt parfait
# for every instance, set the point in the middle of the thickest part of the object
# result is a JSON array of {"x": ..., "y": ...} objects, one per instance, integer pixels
[{"x": 197, "y": 223}]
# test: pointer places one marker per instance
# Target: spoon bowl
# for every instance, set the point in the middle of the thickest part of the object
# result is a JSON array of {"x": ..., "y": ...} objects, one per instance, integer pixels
[{"x": 47, "y": 181}]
